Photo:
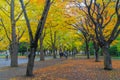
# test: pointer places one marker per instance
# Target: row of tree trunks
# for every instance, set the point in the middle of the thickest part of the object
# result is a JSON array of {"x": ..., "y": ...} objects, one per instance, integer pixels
[{"x": 98, "y": 20}]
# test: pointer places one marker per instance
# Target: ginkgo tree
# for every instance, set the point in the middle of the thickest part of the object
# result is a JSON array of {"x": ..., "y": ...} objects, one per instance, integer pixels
[
  {"x": 34, "y": 38},
  {"x": 80, "y": 24},
  {"x": 96, "y": 11},
  {"x": 56, "y": 25},
  {"x": 99, "y": 15},
  {"x": 10, "y": 17}
]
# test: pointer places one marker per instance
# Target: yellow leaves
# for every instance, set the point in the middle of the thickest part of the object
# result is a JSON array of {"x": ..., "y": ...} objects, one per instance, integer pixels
[
  {"x": 115, "y": 42},
  {"x": 23, "y": 39},
  {"x": 4, "y": 44},
  {"x": 78, "y": 43},
  {"x": 37, "y": 1},
  {"x": 60, "y": 14}
]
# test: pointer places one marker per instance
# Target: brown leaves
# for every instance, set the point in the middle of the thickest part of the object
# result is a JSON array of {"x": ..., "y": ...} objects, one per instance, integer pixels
[{"x": 80, "y": 69}]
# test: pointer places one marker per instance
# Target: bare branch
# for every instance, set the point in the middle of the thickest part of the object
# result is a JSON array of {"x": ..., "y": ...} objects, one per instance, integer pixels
[
  {"x": 7, "y": 2},
  {"x": 52, "y": 1},
  {"x": 27, "y": 21},
  {"x": 2, "y": 24},
  {"x": 1, "y": 39},
  {"x": 20, "y": 14},
  {"x": 108, "y": 20},
  {"x": 115, "y": 31},
  {"x": 4, "y": 12},
  {"x": 21, "y": 35},
  {"x": 104, "y": 6},
  {"x": 89, "y": 10},
  {"x": 42, "y": 21},
  {"x": 117, "y": 7},
  {"x": 18, "y": 17}
]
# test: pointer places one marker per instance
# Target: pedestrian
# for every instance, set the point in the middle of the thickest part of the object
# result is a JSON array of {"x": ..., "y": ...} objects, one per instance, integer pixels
[
  {"x": 61, "y": 53},
  {"x": 65, "y": 54},
  {"x": 6, "y": 54}
]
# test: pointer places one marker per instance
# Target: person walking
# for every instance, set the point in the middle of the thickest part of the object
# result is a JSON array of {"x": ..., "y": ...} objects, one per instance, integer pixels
[{"x": 6, "y": 54}]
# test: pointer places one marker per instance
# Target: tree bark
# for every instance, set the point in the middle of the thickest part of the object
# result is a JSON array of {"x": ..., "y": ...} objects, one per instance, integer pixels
[
  {"x": 107, "y": 58},
  {"x": 14, "y": 55},
  {"x": 87, "y": 50},
  {"x": 53, "y": 42},
  {"x": 96, "y": 49},
  {"x": 41, "y": 50},
  {"x": 96, "y": 55},
  {"x": 42, "y": 55},
  {"x": 54, "y": 54},
  {"x": 13, "y": 45},
  {"x": 30, "y": 64}
]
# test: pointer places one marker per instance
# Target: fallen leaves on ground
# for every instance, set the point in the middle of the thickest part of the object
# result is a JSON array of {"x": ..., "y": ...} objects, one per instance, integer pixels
[{"x": 77, "y": 69}]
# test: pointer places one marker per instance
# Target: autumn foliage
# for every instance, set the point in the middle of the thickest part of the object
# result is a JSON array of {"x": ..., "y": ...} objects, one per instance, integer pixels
[{"x": 77, "y": 69}]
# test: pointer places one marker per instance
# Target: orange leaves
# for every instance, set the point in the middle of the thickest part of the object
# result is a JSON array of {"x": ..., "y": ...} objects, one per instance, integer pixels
[
  {"x": 78, "y": 69},
  {"x": 40, "y": 1}
]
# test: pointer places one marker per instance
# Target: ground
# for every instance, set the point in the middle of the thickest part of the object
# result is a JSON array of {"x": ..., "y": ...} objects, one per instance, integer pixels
[{"x": 74, "y": 69}]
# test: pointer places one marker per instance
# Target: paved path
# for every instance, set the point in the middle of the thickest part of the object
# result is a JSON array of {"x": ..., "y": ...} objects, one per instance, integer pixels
[{"x": 4, "y": 62}]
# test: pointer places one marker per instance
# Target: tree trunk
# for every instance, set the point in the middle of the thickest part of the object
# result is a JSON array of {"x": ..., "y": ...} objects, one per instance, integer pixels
[
  {"x": 96, "y": 49},
  {"x": 14, "y": 49},
  {"x": 87, "y": 50},
  {"x": 34, "y": 40},
  {"x": 41, "y": 51},
  {"x": 14, "y": 55},
  {"x": 13, "y": 45},
  {"x": 88, "y": 54},
  {"x": 54, "y": 54},
  {"x": 107, "y": 58},
  {"x": 30, "y": 64},
  {"x": 96, "y": 55}
]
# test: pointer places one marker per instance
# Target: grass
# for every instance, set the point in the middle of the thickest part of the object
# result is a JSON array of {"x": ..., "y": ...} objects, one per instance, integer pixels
[
  {"x": 116, "y": 57},
  {"x": 2, "y": 56}
]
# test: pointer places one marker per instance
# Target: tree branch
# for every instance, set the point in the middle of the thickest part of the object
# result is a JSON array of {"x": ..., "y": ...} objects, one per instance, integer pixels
[
  {"x": 104, "y": 6},
  {"x": 27, "y": 21},
  {"x": 19, "y": 37},
  {"x": 20, "y": 14},
  {"x": 2, "y": 24},
  {"x": 108, "y": 21},
  {"x": 7, "y": 2},
  {"x": 42, "y": 21},
  {"x": 4, "y": 12},
  {"x": 114, "y": 33}
]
